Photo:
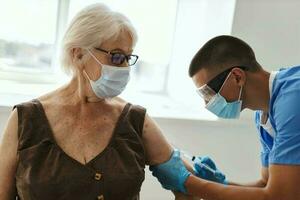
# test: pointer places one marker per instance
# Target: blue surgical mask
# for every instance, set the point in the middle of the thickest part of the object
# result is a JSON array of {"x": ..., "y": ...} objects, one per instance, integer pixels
[
  {"x": 223, "y": 109},
  {"x": 112, "y": 82}
]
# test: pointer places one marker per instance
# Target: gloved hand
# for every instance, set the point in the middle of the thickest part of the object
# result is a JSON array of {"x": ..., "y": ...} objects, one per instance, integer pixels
[
  {"x": 204, "y": 173},
  {"x": 172, "y": 174}
]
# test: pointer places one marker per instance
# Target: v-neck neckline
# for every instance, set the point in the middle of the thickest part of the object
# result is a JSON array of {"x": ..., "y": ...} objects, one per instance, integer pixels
[{"x": 51, "y": 134}]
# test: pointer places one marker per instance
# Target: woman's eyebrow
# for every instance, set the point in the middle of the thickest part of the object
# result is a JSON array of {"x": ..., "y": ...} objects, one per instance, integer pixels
[{"x": 121, "y": 50}]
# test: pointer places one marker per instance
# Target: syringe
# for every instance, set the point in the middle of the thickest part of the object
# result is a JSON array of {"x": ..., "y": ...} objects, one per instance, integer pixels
[{"x": 197, "y": 160}]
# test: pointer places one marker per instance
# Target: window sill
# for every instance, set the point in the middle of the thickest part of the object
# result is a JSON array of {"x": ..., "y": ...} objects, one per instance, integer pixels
[
  {"x": 158, "y": 105},
  {"x": 12, "y": 92}
]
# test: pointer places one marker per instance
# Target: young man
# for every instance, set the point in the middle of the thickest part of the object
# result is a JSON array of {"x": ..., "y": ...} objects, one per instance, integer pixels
[{"x": 229, "y": 79}]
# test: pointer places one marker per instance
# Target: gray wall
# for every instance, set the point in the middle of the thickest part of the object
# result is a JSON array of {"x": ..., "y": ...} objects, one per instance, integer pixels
[{"x": 272, "y": 28}]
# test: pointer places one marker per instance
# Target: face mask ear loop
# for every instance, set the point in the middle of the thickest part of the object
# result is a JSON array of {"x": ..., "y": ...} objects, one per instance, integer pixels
[
  {"x": 224, "y": 82},
  {"x": 87, "y": 75},
  {"x": 95, "y": 57},
  {"x": 240, "y": 95},
  {"x": 96, "y": 61}
]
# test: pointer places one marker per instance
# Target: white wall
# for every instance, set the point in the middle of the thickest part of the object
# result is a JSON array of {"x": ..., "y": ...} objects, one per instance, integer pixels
[
  {"x": 197, "y": 21},
  {"x": 272, "y": 28},
  {"x": 233, "y": 144},
  {"x": 4, "y": 113}
]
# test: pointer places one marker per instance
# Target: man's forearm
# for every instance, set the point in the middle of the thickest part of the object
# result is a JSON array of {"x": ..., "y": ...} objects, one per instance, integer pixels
[
  {"x": 214, "y": 191},
  {"x": 180, "y": 196},
  {"x": 259, "y": 184}
]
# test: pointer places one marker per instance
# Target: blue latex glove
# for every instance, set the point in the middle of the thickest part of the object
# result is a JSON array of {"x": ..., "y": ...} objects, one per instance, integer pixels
[
  {"x": 204, "y": 173},
  {"x": 172, "y": 174}
]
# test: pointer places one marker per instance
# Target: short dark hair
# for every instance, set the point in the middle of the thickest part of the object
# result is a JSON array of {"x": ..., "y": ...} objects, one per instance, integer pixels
[{"x": 223, "y": 52}]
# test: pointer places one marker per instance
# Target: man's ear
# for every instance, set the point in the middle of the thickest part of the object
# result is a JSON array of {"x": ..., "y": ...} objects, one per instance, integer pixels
[{"x": 239, "y": 75}]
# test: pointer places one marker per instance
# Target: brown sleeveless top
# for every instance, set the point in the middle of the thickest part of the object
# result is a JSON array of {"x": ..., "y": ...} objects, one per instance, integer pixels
[{"x": 46, "y": 172}]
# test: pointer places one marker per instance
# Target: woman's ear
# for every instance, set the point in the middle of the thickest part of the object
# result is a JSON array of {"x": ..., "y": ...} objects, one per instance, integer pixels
[
  {"x": 79, "y": 58},
  {"x": 76, "y": 54}
]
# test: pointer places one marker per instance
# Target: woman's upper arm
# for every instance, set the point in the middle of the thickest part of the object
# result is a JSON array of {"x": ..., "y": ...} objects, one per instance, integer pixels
[
  {"x": 158, "y": 150},
  {"x": 8, "y": 157}
]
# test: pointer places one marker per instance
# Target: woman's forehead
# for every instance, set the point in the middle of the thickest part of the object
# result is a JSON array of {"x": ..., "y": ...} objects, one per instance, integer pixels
[{"x": 123, "y": 42}]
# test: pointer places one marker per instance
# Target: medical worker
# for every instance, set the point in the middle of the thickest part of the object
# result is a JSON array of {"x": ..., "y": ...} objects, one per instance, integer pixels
[{"x": 229, "y": 79}]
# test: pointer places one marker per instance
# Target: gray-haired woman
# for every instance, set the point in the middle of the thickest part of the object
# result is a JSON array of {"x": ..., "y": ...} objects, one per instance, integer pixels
[{"x": 81, "y": 141}]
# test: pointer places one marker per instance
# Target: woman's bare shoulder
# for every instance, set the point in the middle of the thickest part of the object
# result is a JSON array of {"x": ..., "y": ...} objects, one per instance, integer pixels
[
  {"x": 8, "y": 156},
  {"x": 52, "y": 97},
  {"x": 120, "y": 100},
  {"x": 119, "y": 103}
]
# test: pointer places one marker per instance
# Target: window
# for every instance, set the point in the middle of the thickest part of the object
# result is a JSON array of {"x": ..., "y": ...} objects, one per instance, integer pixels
[
  {"x": 155, "y": 24},
  {"x": 27, "y": 37},
  {"x": 29, "y": 34},
  {"x": 170, "y": 32}
]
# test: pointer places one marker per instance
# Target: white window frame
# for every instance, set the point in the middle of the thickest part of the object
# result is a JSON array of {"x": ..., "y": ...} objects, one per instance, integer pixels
[{"x": 50, "y": 77}]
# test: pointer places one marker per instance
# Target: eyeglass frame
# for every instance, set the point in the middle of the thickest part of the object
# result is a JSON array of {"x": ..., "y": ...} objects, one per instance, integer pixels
[
  {"x": 211, "y": 90},
  {"x": 113, "y": 53},
  {"x": 221, "y": 78}
]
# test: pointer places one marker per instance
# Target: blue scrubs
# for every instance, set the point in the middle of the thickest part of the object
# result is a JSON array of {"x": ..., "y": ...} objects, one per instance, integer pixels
[{"x": 282, "y": 146}]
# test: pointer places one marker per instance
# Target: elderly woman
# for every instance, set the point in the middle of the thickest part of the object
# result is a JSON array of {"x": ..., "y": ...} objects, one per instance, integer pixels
[{"x": 81, "y": 141}]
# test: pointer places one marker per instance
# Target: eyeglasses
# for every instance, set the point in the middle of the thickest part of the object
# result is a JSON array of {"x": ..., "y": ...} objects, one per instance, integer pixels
[
  {"x": 118, "y": 58},
  {"x": 212, "y": 87}
]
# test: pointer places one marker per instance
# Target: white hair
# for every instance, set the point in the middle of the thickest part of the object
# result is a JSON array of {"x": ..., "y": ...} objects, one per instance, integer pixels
[{"x": 91, "y": 27}]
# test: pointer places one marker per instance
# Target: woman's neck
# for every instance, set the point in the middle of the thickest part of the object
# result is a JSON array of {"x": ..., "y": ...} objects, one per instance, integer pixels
[{"x": 79, "y": 91}]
